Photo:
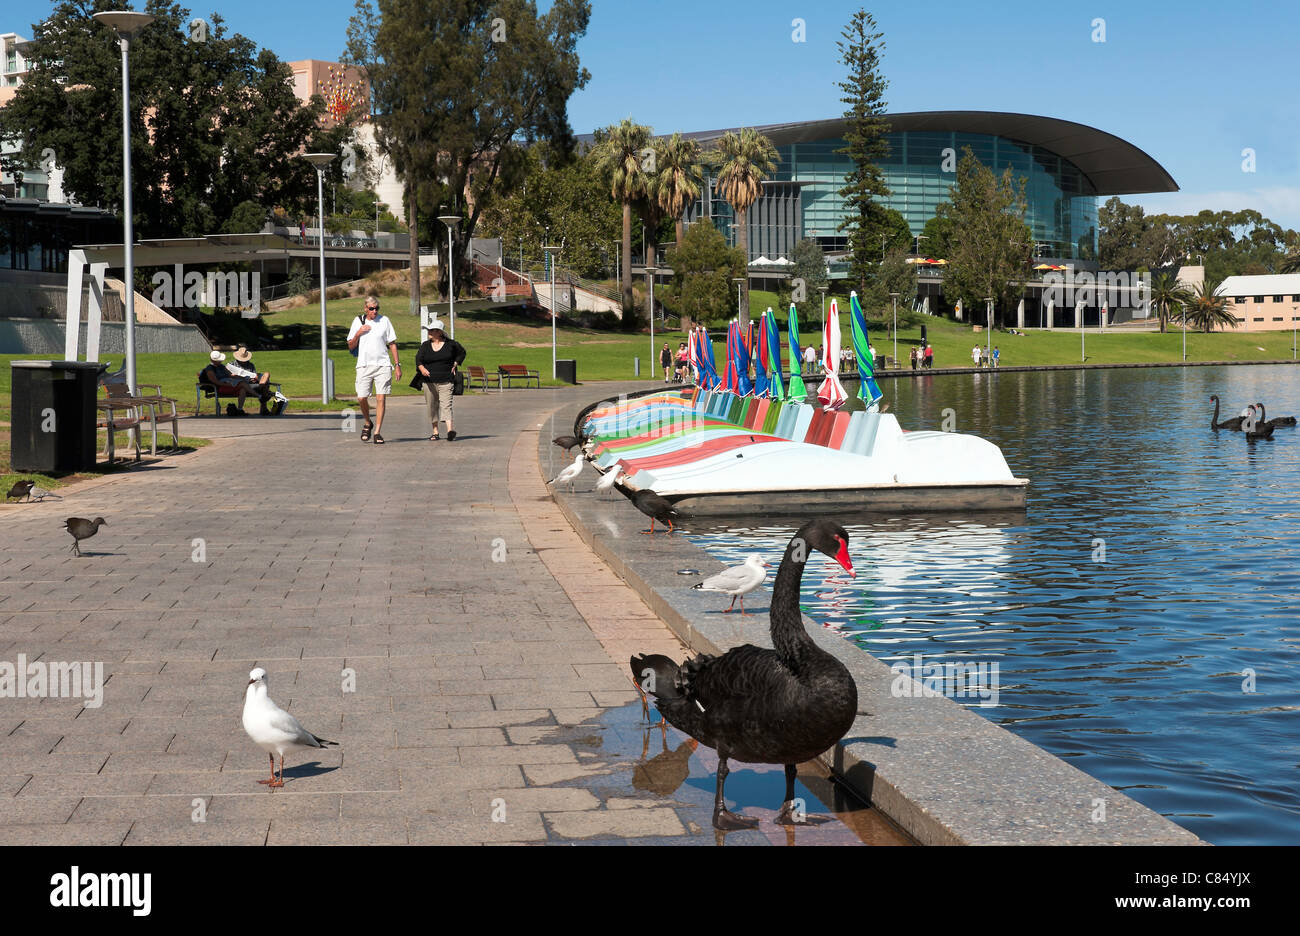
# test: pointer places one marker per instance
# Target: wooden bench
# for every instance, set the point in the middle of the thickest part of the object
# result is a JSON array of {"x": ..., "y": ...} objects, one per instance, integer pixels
[
  {"x": 508, "y": 372},
  {"x": 118, "y": 398},
  {"x": 205, "y": 389},
  {"x": 478, "y": 376}
]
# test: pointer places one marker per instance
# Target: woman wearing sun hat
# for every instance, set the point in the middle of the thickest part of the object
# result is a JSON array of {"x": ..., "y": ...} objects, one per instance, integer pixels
[
  {"x": 435, "y": 372},
  {"x": 242, "y": 366}
]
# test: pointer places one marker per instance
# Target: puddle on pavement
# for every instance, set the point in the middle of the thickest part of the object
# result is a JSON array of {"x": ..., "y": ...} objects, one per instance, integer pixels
[{"x": 630, "y": 760}]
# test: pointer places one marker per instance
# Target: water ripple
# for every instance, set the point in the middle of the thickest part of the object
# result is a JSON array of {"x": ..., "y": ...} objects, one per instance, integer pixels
[{"x": 1150, "y": 586}]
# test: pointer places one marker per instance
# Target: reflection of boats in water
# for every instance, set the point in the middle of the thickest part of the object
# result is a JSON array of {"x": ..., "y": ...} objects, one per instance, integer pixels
[
  {"x": 960, "y": 564},
  {"x": 717, "y": 453}
]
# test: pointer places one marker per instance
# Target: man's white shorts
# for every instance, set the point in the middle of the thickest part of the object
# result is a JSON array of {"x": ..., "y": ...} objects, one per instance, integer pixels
[{"x": 378, "y": 375}]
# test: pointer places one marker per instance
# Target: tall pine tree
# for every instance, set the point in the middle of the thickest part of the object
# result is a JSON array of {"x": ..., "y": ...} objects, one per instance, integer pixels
[{"x": 864, "y": 95}]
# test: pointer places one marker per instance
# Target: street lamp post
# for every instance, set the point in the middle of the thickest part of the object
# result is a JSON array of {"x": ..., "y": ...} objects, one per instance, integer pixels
[
  {"x": 320, "y": 161},
  {"x": 451, "y": 220},
  {"x": 551, "y": 251},
  {"x": 894, "y": 296},
  {"x": 988, "y": 329},
  {"x": 823, "y": 292},
  {"x": 919, "y": 238},
  {"x": 127, "y": 24},
  {"x": 737, "y": 280},
  {"x": 652, "y": 271}
]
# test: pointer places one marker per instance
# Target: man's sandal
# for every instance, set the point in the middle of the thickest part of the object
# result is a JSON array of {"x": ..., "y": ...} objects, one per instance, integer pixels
[
  {"x": 379, "y": 440},
  {"x": 365, "y": 431}
]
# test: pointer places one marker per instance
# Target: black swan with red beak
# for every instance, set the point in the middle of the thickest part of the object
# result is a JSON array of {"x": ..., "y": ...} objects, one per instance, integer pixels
[{"x": 760, "y": 706}]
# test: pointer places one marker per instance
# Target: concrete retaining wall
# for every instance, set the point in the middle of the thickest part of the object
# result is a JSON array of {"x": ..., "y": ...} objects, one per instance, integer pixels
[{"x": 45, "y": 337}]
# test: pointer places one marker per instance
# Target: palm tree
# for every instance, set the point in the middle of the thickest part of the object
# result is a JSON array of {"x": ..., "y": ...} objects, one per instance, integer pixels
[
  {"x": 1168, "y": 297},
  {"x": 680, "y": 176},
  {"x": 618, "y": 156},
  {"x": 746, "y": 158},
  {"x": 1208, "y": 309}
]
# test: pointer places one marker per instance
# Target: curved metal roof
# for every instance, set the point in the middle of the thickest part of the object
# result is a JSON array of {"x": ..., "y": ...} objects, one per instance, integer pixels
[{"x": 1114, "y": 166}]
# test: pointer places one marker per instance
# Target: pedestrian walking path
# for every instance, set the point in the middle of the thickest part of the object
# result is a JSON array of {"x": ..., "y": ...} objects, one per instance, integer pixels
[{"x": 422, "y": 603}]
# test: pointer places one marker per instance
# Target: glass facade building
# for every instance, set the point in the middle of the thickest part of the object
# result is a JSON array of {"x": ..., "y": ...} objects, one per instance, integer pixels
[
  {"x": 921, "y": 169},
  {"x": 1067, "y": 167}
]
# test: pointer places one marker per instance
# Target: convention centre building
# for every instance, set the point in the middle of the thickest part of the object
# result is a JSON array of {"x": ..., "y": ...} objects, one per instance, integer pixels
[{"x": 1067, "y": 166}]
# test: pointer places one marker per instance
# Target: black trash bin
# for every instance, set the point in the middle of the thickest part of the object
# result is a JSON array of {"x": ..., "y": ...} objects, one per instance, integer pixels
[
  {"x": 566, "y": 371},
  {"x": 53, "y": 422}
]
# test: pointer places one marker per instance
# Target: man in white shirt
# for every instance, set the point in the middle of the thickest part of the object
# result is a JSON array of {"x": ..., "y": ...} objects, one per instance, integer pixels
[
  {"x": 810, "y": 360},
  {"x": 975, "y": 355},
  {"x": 375, "y": 341}
]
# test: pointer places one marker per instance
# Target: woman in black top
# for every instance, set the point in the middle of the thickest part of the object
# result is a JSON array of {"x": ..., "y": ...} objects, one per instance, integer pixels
[
  {"x": 666, "y": 361},
  {"x": 435, "y": 369}
]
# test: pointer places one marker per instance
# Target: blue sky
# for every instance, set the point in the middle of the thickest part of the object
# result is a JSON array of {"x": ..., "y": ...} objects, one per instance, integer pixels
[{"x": 1192, "y": 83}]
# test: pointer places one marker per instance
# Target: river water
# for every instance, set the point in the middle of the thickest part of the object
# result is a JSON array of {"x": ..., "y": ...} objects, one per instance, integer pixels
[{"x": 1144, "y": 611}]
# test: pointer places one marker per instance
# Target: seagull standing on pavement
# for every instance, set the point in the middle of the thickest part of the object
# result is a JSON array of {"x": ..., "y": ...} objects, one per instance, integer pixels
[
  {"x": 570, "y": 474},
  {"x": 737, "y": 581},
  {"x": 272, "y": 728}
]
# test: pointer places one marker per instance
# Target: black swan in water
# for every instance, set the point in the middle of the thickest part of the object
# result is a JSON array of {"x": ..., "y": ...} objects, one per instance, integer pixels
[
  {"x": 1234, "y": 423},
  {"x": 761, "y": 706},
  {"x": 1253, "y": 428},
  {"x": 1276, "y": 421}
]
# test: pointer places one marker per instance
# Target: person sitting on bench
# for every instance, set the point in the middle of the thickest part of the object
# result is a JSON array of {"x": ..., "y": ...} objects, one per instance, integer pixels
[{"x": 219, "y": 375}]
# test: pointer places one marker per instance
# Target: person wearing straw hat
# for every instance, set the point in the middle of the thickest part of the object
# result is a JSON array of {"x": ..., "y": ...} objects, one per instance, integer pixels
[
  {"x": 243, "y": 366},
  {"x": 219, "y": 374},
  {"x": 435, "y": 373}
]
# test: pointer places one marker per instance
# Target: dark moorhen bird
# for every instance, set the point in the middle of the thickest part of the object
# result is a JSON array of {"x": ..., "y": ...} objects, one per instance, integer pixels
[
  {"x": 1234, "y": 423},
  {"x": 760, "y": 706},
  {"x": 567, "y": 442},
  {"x": 81, "y": 529},
  {"x": 21, "y": 489},
  {"x": 1277, "y": 421},
  {"x": 653, "y": 506}
]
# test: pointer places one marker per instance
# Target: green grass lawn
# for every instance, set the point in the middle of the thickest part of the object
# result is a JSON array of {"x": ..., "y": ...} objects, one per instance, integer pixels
[{"x": 493, "y": 338}]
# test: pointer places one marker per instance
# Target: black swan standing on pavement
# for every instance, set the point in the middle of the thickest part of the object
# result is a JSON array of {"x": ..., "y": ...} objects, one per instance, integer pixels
[
  {"x": 1276, "y": 421},
  {"x": 760, "y": 706},
  {"x": 1234, "y": 423}
]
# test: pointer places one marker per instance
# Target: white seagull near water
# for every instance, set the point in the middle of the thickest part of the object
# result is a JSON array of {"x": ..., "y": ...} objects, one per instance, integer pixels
[
  {"x": 272, "y": 728},
  {"x": 737, "y": 581},
  {"x": 607, "y": 481},
  {"x": 570, "y": 474}
]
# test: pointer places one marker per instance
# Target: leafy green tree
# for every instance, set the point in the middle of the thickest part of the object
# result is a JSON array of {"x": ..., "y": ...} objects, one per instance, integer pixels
[
  {"x": 809, "y": 266},
  {"x": 988, "y": 256},
  {"x": 214, "y": 125},
  {"x": 704, "y": 267},
  {"x": 745, "y": 159},
  {"x": 619, "y": 154},
  {"x": 461, "y": 88},
  {"x": 1168, "y": 297},
  {"x": 893, "y": 275},
  {"x": 559, "y": 193},
  {"x": 864, "y": 185}
]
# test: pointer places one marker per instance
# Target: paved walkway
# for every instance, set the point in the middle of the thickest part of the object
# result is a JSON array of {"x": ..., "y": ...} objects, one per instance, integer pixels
[{"x": 424, "y": 604}]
